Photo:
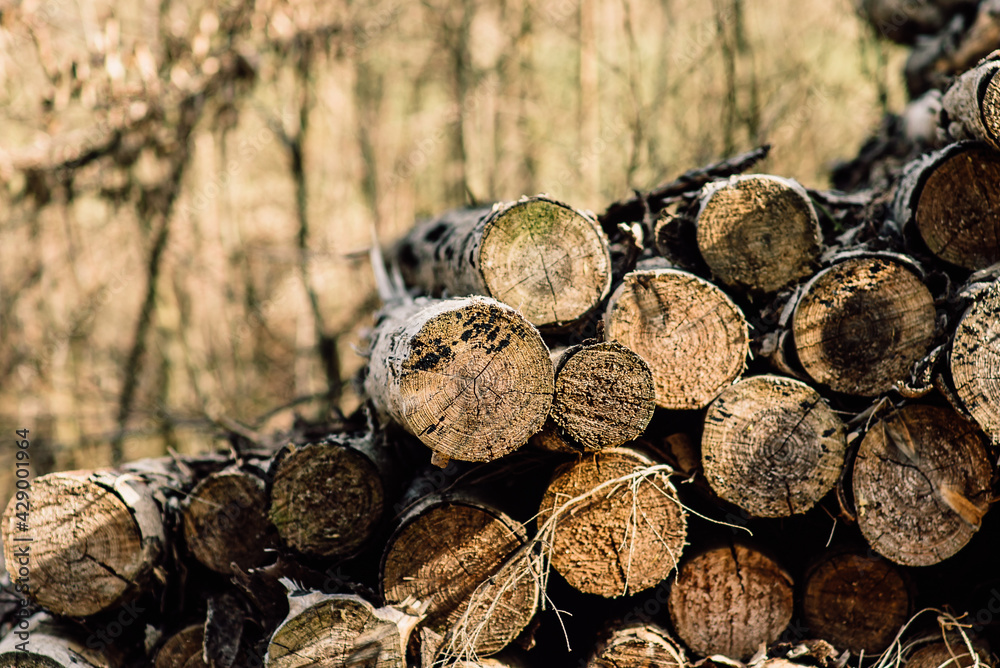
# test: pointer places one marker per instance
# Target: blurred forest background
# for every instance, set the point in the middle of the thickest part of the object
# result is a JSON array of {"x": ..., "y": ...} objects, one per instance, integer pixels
[{"x": 188, "y": 187}]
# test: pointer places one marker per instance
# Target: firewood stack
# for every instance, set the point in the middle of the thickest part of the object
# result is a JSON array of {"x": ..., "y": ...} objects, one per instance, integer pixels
[{"x": 731, "y": 421}]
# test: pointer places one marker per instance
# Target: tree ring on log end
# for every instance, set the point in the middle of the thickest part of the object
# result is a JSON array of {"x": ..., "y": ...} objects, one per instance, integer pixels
[
  {"x": 862, "y": 324},
  {"x": 622, "y": 539},
  {"x": 921, "y": 484},
  {"x": 772, "y": 446},
  {"x": 693, "y": 337},
  {"x": 975, "y": 361},
  {"x": 758, "y": 232},
  {"x": 545, "y": 259},
  {"x": 638, "y": 645}
]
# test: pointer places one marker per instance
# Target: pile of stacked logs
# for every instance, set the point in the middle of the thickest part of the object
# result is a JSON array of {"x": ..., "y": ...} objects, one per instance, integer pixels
[{"x": 730, "y": 421}]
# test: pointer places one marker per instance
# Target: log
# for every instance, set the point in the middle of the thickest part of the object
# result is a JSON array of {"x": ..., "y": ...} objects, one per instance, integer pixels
[
  {"x": 921, "y": 484},
  {"x": 327, "y": 498},
  {"x": 636, "y": 646},
  {"x": 730, "y": 601},
  {"x": 616, "y": 538},
  {"x": 758, "y": 232},
  {"x": 339, "y": 631},
  {"x": 952, "y": 198},
  {"x": 861, "y": 324},
  {"x": 541, "y": 256},
  {"x": 971, "y": 106},
  {"x": 184, "y": 649},
  {"x": 772, "y": 446},
  {"x": 447, "y": 552},
  {"x": 952, "y": 652},
  {"x": 856, "y": 602},
  {"x": 694, "y": 338},
  {"x": 225, "y": 521},
  {"x": 469, "y": 377},
  {"x": 604, "y": 395},
  {"x": 49, "y": 643},
  {"x": 94, "y": 538},
  {"x": 974, "y": 361}
]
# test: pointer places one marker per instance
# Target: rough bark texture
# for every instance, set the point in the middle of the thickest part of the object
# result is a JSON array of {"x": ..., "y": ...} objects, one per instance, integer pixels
[
  {"x": 691, "y": 334},
  {"x": 225, "y": 521},
  {"x": 469, "y": 377},
  {"x": 921, "y": 484},
  {"x": 340, "y": 631},
  {"x": 94, "y": 539},
  {"x": 772, "y": 446},
  {"x": 952, "y": 196},
  {"x": 972, "y": 105},
  {"x": 861, "y": 324},
  {"x": 604, "y": 395},
  {"x": 855, "y": 602},
  {"x": 446, "y": 551},
  {"x": 327, "y": 498},
  {"x": 729, "y": 601},
  {"x": 637, "y": 646},
  {"x": 184, "y": 649},
  {"x": 758, "y": 232},
  {"x": 542, "y": 257},
  {"x": 50, "y": 644},
  {"x": 975, "y": 360},
  {"x": 621, "y": 537}
]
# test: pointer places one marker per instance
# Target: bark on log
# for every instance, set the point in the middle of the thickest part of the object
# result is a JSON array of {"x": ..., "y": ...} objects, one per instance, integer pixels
[
  {"x": 772, "y": 446},
  {"x": 971, "y": 106},
  {"x": 730, "y": 601},
  {"x": 636, "y": 646},
  {"x": 855, "y": 602},
  {"x": 861, "y": 324},
  {"x": 339, "y": 631},
  {"x": 617, "y": 538},
  {"x": 975, "y": 360},
  {"x": 225, "y": 521},
  {"x": 184, "y": 649},
  {"x": 327, "y": 497},
  {"x": 693, "y": 337},
  {"x": 48, "y": 643},
  {"x": 921, "y": 484},
  {"x": 446, "y": 552},
  {"x": 604, "y": 395},
  {"x": 94, "y": 538},
  {"x": 952, "y": 197},
  {"x": 544, "y": 258},
  {"x": 758, "y": 232},
  {"x": 469, "y": 377}
]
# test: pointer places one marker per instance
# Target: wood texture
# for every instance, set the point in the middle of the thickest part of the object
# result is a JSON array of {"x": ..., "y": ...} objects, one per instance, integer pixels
[
  {"x": 921, "y": 484},
  {"x": 50, "y": 644},
  {"x": 975, "y": 360},
  {"x": 730, "y": 601},
  {"x": 637, "y": 646},
  {"x": 184, "y": 649},
  {"x": 861, "y": 324},
  {"x": 469, "y": 377},
  {"x": 544, "y": 258},
  {"x": 624, "y": 537},
  {"x": 856, "y": 602},
  {"x": 758, "y": 232},
  {"x": 693, "y": 337},
  {"x": 772, "y": 446},
  {"x": 971, "y": 105}
]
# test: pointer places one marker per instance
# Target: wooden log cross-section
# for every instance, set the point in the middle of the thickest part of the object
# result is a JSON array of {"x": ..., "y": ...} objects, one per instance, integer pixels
[
  {"x": 975, "y": 360},
  {"x": 469, "y": 377},
  {"x": 971, "y": 106},
  {"x": 544, "y": 258},
  {"x": 636, "y": 646}
]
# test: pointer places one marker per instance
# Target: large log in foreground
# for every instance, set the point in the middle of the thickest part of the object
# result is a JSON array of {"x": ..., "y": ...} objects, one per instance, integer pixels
[
  {"x": 541, "y": 256},
  {"x": 469, "y": 377}
]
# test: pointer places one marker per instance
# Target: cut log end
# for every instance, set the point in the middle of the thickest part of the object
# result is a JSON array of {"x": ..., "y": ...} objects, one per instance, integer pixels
[
  {"x": 921, "y": 484},
  {"x": 184, "y": 649},
  {"x": 862, "y": 324},
  {"x": 758, "y": 232},
  {"x": 88, "y": 552},
  {"x": 326, "y": 499},
  {"x": 621, "y": 539},
  {"x": 693, "y": 337},
  {"x": 975, "y": 361},
  {"x": 991, "y": 109},
  {"x": 730, "y": 601},
  {"x": 604, "y": 396},
  {"x": 637, "y": 646},
  {"x": 855, "y": 602},
  {"x": 546, "y": 259},
  {"x": 772, "y": 446}
]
